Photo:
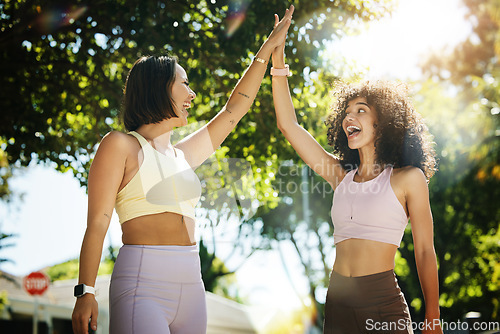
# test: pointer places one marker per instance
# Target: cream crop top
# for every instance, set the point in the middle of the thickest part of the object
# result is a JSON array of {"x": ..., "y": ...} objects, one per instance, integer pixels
[
  {"x": 368, "y": 210},
  {"x": 162, "y": 184}
]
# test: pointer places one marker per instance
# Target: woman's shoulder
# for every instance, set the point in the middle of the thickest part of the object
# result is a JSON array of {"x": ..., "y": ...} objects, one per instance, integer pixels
[
  {"x": 408, "y": 176},
  {"x": 408, "y": 171},
  {"x": 118, "y": 141}
]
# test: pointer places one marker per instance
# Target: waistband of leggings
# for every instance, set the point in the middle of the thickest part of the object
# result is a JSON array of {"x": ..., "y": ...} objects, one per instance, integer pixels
[
  {"x": 176, "y": 264},
  {"x": 171, "y": 248},
  {"x": 369, "y": 277},
  {"x": 365, "y": 291}
]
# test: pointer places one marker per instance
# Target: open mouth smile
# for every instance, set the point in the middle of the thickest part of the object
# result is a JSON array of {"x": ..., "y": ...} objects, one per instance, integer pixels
[{"x": 352, "y": 131}]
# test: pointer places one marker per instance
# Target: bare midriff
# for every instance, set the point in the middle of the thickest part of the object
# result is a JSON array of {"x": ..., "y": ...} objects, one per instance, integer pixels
[
  {"x": 359, "y": 257},
  {"x": 165, "y": 228}
]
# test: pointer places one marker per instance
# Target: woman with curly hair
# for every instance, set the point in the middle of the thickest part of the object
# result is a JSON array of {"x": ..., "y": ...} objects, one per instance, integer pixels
[{"x": 381, "y": 162}]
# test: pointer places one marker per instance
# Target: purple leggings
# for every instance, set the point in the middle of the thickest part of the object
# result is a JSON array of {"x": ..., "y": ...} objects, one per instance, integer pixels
[{"x": 157, "y": 289}]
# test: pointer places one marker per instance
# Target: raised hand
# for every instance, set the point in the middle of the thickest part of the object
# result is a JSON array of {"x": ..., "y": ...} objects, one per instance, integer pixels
[{"x": 278, "y": 35}]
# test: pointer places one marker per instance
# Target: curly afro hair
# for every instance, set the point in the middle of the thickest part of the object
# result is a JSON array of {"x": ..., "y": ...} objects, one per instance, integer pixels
[{"x": 401, "y": 137}]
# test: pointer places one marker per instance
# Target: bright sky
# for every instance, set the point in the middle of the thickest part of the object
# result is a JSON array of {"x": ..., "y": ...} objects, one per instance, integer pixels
[
  {"x": 50, "y": 221},
  {"x": 393, "y": 46}
]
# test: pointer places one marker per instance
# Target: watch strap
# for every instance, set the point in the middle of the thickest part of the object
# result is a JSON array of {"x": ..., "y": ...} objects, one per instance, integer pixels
[
  {"x": 281, "y": 72},
  {"x": 82, "y": 289}
]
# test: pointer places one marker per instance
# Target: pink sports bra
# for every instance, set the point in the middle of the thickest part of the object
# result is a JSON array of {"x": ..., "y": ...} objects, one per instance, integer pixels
[{"x": 368, "y": 210}]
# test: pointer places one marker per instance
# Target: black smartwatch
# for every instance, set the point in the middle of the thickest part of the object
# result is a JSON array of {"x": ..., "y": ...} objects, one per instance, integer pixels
[{"x": 82, "y": 289}]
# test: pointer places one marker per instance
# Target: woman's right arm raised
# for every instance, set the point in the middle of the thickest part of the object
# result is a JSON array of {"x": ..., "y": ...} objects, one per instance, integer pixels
[
  {"x": 105, "y": 177},
  {"x": 313, "y": 154}
]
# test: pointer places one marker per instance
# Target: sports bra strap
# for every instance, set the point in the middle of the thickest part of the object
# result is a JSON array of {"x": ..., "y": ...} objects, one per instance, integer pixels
[{"x": 142, "y": 141}]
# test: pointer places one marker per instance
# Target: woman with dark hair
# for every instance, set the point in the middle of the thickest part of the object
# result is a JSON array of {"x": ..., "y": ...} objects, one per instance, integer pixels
[
  {"x": 156, "y": 285},
  {"x": 381, "y": 162}
]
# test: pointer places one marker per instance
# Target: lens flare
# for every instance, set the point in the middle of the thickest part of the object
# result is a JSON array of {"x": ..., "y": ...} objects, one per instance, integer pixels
[
  {"x": 236, "y": 16},
  {"x": 52, "y": 19},
  {"x": 233, "y": 23}
]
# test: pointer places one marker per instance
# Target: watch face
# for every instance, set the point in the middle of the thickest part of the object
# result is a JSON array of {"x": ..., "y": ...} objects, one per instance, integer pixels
[{"x": 78, "y": 290}]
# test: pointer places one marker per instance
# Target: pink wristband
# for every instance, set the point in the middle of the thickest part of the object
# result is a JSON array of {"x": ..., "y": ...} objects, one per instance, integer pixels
[{"x": 281, "y": 72}]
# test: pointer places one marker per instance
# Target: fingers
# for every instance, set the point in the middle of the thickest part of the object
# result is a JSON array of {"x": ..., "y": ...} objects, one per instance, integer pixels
[
  {"x": 80, "y": 324},
  {"x": 283, "y": 25},
  {"x": 84, "y": 316},
  {"x": 278, "y": 35},
  {"x": 93, "y": 320},
  {"x": 73, "y": 324},
  {"x": 289, "y": 13},
  {"x": 286, "y": 17}
]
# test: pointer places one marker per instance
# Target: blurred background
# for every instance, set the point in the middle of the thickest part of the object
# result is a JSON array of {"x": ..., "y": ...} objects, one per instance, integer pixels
[{"x": 265, "y": 231}]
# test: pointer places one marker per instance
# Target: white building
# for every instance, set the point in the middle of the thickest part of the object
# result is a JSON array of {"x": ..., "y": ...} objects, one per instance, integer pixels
[{"x": 56, "y": 305}]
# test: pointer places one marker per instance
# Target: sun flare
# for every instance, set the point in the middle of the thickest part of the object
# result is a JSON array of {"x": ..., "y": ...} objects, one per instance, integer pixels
[{"x": 394, "y": 46}]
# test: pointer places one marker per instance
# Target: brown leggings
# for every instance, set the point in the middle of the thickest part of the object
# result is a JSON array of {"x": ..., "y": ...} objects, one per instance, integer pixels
[{"x": 366, "y": 304}]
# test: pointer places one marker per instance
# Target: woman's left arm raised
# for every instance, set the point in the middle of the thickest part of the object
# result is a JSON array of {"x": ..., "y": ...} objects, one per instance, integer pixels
[
  {"x": 198, "y": 146},
  {"x": 417, "y": 201}
]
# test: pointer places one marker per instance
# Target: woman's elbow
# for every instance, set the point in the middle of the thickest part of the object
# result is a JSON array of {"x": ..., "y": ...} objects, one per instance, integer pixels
[
  {"x": 280, "y": 126},
  {"x": 286, "y": 125},
  {"x": 423, "y": 252}
]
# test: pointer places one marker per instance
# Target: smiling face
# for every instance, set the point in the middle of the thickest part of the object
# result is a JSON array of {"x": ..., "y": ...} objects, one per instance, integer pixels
[
  {"x": 359, "y": 123},
  {"x": 182, "y": 95}
]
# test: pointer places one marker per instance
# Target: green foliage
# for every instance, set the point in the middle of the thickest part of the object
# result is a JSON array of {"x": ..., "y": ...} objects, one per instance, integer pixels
[
  {"x": 3, "y": 239},
  {"x": 63, "y": 271},
  {"x": 64, "y": 67},
  {"x": 217, "y": 278},
  {"x": 465, "y": 215},
  {"x": 5, "y": 173},
  {"x": 465, "y": 192},
  {"x": 4, "y": 300},
  {"x": 69, "y": 270},
  {"x": 302, "y": 218},
  {"x": 3, "y": 294}
]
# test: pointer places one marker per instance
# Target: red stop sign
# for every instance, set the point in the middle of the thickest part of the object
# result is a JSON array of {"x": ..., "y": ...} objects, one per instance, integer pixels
[{"x": 36, "y": 283}]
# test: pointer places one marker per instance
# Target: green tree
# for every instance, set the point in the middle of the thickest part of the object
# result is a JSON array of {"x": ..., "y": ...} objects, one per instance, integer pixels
[
  {"x": 302, "y": 218},
  {"x": 69, "y": 269},
  {"x": 3, "y": 239},
  {"x": 464, "y": 212},
  {"x": 465, "y": 192},
  {"x": 3, "y": 294},
  {"x": 217, "y": 278},
  {"x": 4, "y": 300},
  {"x": 63, "y": 68}
]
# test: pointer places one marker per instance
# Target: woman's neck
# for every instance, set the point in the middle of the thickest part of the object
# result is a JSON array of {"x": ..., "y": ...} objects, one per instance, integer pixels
[
  {"x": 158, "y": 134},
  {"x": 369, "y": 167}
]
